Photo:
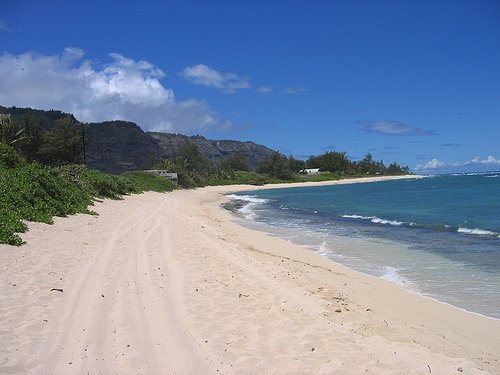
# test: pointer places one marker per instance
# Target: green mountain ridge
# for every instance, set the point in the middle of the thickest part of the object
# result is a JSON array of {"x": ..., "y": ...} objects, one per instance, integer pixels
[{"x": 119, "y": 146}]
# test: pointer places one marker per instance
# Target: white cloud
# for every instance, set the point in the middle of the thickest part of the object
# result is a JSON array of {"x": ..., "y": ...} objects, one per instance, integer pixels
[
  {"x": 490, "y": 160},
  {"x": 475, "y": 164},
  {"x": 122, "y": 89},
  {"x": 203, "y": 75},
  {"x": 433, "y": 164},
  {"x": 265, "y": 90},
  {"x": 394, "y": 128}
]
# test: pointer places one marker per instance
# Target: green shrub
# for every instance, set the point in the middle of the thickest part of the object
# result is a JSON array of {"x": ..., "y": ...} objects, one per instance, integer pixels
[
  {"x": 323, "y": 176},
  {"x": 141, "y": 181},
  {"x": 38, "y": 193},
  {"x": 103, "y": 185},
  {"x": 10, "y": 225},
  {"x": 249, "y": 178},
  {"x": 9, "y": 157}
]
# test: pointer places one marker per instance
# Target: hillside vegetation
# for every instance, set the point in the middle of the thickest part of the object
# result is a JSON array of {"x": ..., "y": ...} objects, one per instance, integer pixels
[
  {"x": 195, "y": 170},
  {"x": 114, "y": 146},
  {"x": 36, "y": 192},
  {"x": 44, "y": 170}
]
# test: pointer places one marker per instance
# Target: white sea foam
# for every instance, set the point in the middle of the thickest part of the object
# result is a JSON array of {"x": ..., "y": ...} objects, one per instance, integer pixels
[
  {"x": 358, "y": 217},
  {"x": 478, "y": 232},
  {"x": 384, "y": 221},
  {"x": 391, "y": 274},
  {"x": 248, "y": 198},
  {"x": 375, "y": 219},
  {"x": 248, "y": 210},
  {"x": 323, "y": 249}
]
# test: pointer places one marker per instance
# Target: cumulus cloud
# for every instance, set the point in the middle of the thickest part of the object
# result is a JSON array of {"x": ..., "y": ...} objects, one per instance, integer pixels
[
  {"x": 490, "y": 160},
  {"x": 121, "y": 89},
  {"x": 203, "y": 75},
  {"x": 476, "y": 163},
  {"x": 433, "y": 164},
  {"x": 394, "y": 128}
]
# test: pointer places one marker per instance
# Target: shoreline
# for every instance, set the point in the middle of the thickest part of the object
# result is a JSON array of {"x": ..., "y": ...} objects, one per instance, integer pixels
[
  {"x": 421, "y": 294},
  {"x": 463, "y": 316},
  {"x": 234, "y": 204},
  {"x": 164, "y": 283}
]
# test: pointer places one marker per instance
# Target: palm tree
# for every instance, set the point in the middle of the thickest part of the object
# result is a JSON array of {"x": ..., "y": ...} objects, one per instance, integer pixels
[{"x": 8, "y": 133}]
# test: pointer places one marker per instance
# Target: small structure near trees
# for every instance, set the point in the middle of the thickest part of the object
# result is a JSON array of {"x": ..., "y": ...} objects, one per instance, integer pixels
[
  {"x": 172, "y": 176},
  {"x": 310, "y": 171}
]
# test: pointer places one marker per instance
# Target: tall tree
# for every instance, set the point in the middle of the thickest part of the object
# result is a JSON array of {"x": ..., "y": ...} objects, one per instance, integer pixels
[
  {"x": 331, "y": 161},
  {"x": 63, "y": 143},
  {"x": 235, "y": 162},
  {"x": 296, "y": 165},
  {"x": 9, "y": 133},
  {"x": 191, "y": 165},
  {"x": 276, "y": 165},
  {"x": 369, "y": 166},
  {"x": 33, "y": 129},
  {"x": 395, "y": 168}
]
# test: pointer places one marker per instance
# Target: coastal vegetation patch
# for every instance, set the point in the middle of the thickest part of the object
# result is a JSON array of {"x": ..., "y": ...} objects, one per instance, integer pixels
[
  {"x": 44, "y": 172},
  {"x": 36, "y": 192}
]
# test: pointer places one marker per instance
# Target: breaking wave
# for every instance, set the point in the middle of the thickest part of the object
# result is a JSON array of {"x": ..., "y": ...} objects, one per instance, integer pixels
[
  {"x": 478, "y": 232},
  {"x": 375, "y": 219},
  {"x": 248, "y": 209},
  {"x": 391, "y": 274}
]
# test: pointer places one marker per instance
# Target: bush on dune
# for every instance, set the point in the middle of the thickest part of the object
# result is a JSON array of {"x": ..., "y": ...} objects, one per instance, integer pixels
[
  {"x": 9, "y": 158},
  {"x": 144, "y": 181},
  {"x": 37, "y": 192}
]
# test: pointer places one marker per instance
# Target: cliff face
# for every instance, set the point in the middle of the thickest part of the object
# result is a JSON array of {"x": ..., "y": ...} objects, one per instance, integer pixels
[
  {"x": 214, "y": 150},
  {"x": 118, "y": 146}
]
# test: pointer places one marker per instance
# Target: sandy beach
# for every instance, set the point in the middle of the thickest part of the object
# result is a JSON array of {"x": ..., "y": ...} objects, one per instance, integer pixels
[{"x": 170, "y": 284}]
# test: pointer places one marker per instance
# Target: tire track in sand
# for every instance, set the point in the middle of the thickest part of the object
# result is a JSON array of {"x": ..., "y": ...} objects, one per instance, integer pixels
[{"x": 122, "y": 289}]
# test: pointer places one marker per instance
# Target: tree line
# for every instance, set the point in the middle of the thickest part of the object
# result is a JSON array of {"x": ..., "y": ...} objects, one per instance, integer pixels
[
  {"x": 64, "y": 142},
  {"x": 60, "y": 143},
  {"x": 194, "y": 169},
  {"x": 42, "y": 176},
  {"x": 335, "y": 162}
]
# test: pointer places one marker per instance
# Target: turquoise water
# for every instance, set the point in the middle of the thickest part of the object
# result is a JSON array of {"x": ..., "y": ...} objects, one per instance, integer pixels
[{"x": 438, "y": 236}]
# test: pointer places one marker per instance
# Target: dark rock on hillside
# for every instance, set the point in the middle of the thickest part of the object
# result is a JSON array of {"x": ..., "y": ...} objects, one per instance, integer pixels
[
  {"x": 118, "y": 146},
  {"x": 215, "y": 150}
]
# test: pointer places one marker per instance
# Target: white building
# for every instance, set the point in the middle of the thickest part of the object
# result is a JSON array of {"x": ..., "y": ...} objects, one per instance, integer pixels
[
  {"x": 172, "y": 176},
  {"x": 310, "y": 171}
]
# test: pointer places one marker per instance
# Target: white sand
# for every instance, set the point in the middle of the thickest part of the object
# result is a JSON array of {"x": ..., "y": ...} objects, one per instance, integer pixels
[{"x": 168, "y": 284}]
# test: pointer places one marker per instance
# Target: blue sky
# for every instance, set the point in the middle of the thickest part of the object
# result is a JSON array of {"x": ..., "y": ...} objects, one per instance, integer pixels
[{"x": 417, "y": 82}]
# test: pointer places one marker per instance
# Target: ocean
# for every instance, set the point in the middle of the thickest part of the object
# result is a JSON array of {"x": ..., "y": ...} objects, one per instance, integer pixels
[{"x": 437, "y": 236}]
